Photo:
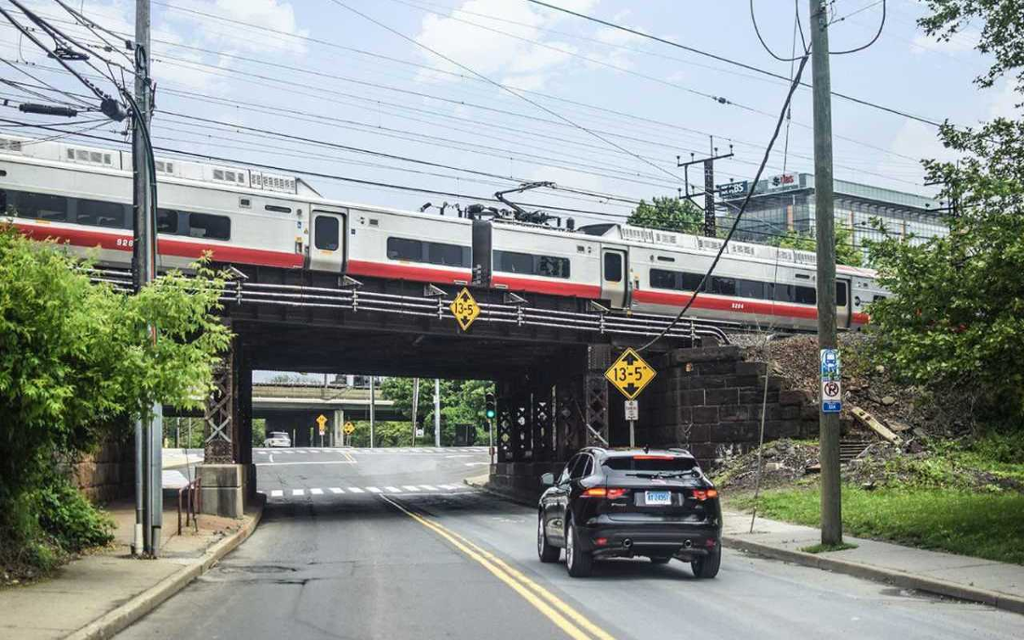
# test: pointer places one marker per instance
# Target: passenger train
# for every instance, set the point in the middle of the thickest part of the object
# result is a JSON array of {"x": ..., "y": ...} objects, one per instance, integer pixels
[{"x": 82, "y": 196}]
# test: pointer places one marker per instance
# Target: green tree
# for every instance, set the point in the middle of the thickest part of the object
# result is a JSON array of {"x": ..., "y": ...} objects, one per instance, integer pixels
[
  {"x": 76, "y": 359},
  {"x": 462, "y": 402},
  {"x": 669, "y": 214},
  {"x": 957, "y": 318}
]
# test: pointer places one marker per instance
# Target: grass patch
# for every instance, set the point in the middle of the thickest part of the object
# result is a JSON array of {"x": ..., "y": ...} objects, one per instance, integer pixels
[
  {"x": 979, "y": 524},
  {"x": 826, "y": 548}
]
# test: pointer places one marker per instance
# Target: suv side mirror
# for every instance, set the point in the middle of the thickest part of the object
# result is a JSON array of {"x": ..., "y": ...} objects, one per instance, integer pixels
[{"x": 548, "y": 479}]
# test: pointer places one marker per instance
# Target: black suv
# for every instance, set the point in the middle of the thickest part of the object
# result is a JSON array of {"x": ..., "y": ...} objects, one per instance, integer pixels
[{"x": 624, "y": 503}]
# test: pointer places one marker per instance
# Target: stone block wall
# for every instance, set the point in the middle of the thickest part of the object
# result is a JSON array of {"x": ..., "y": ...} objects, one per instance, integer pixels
[
  {"x": 709, "y": 401},
  {"x": 107, "y": 474}
]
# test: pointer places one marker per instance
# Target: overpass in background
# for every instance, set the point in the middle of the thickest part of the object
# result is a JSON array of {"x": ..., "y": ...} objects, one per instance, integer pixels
[{"x": 294, "y": 407}]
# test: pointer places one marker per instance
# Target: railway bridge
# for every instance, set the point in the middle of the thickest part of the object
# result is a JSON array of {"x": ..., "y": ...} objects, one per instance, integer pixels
[{"x": 546, "y": 354}]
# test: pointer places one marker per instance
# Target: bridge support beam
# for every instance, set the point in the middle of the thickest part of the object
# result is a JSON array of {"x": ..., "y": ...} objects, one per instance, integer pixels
[{"x": 227, "y": 474}]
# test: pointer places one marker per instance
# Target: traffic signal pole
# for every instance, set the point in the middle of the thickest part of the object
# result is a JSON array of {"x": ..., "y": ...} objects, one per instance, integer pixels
[{"x": 824, "y": 218}]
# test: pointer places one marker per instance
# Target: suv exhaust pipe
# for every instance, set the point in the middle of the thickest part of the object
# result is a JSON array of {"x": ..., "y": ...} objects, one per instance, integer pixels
[
  {"x": 688, "y": 544},
  {"x": 627, "y": 543}
]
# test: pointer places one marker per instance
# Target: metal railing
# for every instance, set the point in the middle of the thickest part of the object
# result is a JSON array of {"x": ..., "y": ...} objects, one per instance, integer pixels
[{"x": 436, "y": 307}]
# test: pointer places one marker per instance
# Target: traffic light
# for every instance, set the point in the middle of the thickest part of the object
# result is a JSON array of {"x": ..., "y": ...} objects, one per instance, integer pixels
[{"x": 489, "y": 410}]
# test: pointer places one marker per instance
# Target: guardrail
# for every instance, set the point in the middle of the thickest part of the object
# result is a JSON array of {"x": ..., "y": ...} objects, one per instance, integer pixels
[
  {"x": 435, "y": 306},
  {"x": 193, "y": 494}
]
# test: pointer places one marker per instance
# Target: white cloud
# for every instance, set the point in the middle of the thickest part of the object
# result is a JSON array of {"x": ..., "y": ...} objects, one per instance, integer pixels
[
  {"x": 918, "y": 140},
  {"x": 492, "y": 54},
  {"x": 1006, "y": 101}
]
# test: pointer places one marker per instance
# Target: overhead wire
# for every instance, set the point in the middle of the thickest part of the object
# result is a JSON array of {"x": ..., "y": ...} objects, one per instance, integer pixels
[{"x": 878, "y": 34}]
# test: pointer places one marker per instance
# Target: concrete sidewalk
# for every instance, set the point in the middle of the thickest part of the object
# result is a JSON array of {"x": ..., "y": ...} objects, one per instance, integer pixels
[
  {"x": 995, "y": 583},
  {"x": 100, "y": 594}
]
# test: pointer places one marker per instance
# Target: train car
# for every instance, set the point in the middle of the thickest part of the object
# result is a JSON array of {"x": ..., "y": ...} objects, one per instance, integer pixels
[{"x": 81, "y": 196}]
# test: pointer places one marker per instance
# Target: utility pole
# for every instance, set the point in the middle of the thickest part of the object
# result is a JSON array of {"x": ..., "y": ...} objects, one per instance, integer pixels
[
  {"x": 824, "y": 218},
  {"x": 415, "y": 406},
  {"x": 149, "y": 429},
  {"x": 373, "y": 409},
  {"x": 437, "y": 412}
]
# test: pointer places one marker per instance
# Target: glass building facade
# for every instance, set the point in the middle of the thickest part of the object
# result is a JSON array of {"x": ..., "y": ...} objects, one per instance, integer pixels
[{"x": 785, "y": 203}]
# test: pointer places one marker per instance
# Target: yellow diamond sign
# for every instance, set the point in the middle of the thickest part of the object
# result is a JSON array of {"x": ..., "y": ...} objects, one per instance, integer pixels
[
  {"x": 465, "y": 309},
  {"x": 349, "y": 428},
  {"x": 630, "y": 374},
  {"x": 322, "y": 421}
]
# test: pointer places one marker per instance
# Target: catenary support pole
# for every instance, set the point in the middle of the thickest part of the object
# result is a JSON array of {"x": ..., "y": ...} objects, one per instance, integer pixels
[
  {"x": 437, "y": 412},
  {"x": 824, "y": 217}
]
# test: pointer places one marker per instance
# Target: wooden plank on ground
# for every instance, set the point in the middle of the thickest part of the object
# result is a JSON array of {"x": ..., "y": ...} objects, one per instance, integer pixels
[{"x": 870, "y": 422}]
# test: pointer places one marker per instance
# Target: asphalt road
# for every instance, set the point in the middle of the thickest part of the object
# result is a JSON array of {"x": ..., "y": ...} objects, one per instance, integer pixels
[{"x": 423, "y": 557}]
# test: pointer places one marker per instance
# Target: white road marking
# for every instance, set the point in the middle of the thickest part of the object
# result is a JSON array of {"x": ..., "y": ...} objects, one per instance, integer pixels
[
  {"x": 450, "y": 487},
  {"x": 276, "y": 493},
  {"x": 410, "y": 487},
  {"x": 317, "y": 492},
  {"x": 393, "y": 489},
  {"x": 271, "y": 458},
  {"x": 428, "y": 487},
  {"x": 475, "y": 464},
  {"x": 336, "y": 490},
  {"x": 292, "y": 464},
  {"x": 373, "y": 489},
  {"x": 298, "y": 492},
  {"x": 355, "y": 490}
]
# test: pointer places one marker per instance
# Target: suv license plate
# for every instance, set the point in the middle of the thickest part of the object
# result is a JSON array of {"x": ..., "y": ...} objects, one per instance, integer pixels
[{"x": 658, "y": 498}]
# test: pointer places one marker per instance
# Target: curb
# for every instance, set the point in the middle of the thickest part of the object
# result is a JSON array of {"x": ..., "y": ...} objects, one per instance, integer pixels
[
  {"x": 113, "y": 622},
  {"x": 487, "y": 488},
  {"x": 1014, "y": 604}
]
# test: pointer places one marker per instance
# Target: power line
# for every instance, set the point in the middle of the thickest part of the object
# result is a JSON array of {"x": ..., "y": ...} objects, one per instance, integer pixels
[
  {"x": 878, "y": 34},
  {"x": 730, "y": 61},
  {"x": 505, "y": 88}
]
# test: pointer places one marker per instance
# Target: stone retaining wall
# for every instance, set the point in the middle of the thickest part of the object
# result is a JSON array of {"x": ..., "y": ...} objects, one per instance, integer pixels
[{"x": 107, "y": 474}]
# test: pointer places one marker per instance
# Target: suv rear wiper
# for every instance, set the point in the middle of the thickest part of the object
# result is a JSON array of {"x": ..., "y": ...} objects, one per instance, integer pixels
[{"x": 664, "y": 474}]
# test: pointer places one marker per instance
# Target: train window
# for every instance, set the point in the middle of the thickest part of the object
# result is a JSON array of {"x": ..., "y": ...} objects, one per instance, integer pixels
[
  {"x": 40, "y": 206},
  {"x": 613, "y": 267},
  {"x": 204, "y": 225},
  {"x": 449, "y": 255},
  {"x": 3, "y": 203},
  {"x": 325, "y": 234},
  {"x": 723, "y": 286},
  {"x": 101, "y": 214},
  {"x": 795, "y": 293},
  {"x": 532, "y": 265},
  {"x": 166, "y": 221},
  {"x": 754, "y": 289},
  {"x": 842, "y": 299},
  {"x": 681, "y": 281}
]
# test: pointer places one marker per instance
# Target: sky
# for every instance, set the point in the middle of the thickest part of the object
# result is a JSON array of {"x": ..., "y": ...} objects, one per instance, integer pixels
[{"x": 313, "y": 85}]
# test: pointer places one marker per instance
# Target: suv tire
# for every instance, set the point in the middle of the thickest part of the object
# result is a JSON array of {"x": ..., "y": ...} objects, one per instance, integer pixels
[
  {"x": 707, "y": 566},
  {"x": 578, "y": 562},
  {"x": 545, "y": 551}
]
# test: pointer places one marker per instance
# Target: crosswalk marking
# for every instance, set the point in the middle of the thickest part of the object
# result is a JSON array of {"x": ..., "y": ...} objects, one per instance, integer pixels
[
  {"x": 428, "y": 487},
  {"x": 276, "y": 493},
  {"x": 355, "y": 490},
  {"x": 336, "y": 490},
  {"x": 373, "y": 489},
  {"x": 316, "y": 492},
  {"x": 410, "y": 487},
  {"x": 450, "y": 487},
  {"x": 393, "y": 489},
  {"x": 298, "y": 492},
  {"x": 405, "y": 488}
]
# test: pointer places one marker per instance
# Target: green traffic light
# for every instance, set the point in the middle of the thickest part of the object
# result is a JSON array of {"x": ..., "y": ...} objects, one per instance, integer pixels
[{"x": 489, "y": 413}]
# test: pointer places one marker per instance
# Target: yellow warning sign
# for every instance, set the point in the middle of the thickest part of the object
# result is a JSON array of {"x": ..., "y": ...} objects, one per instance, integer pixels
[
  {"x": 349, "y": 428},
  {"x": 465, "y": 309},
  {"x": 322, "y": 421},
  {"x": 630, "y": 374}
]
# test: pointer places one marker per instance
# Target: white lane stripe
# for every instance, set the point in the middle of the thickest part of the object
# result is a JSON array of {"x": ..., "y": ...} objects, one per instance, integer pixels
[
  {"x": 373, "y": 489},
  {"x": 393, "y": 489},
  {"x": 317, "y": 492},
  {"x": 298, "y": 492},
  {"x": 428, "y": 487},
  {"x": 355, "y": 490},
  {"x": 410, "y": 487},
  {"x": 450, "y": 487},
  {"x": 276, "y": 493},
  {"x": 336, "y": 490}
]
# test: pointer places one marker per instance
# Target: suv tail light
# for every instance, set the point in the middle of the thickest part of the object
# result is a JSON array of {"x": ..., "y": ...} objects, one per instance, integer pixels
[
  {"x": 601, "y": 492},
  {"x": 705, "y": 494}
]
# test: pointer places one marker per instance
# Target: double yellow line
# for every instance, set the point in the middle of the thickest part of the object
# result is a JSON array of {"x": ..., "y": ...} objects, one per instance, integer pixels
[{"x": 569, "y": 620}]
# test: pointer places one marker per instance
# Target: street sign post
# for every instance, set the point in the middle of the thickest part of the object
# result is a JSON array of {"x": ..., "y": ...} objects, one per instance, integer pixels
[
  {"x": 465, "y": 309},
  {"x": 831, "y": 381},
  {"x": 630, "y": 374},
  {"x": 321, "y": 421}
]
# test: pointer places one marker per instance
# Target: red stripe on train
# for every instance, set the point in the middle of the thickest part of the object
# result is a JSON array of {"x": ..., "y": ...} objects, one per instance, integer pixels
[
  {"x": 736, "y": 305},
  {"x": 115, "y": 241},
  {"x": 406, "y": 272},
  {"x": 545, "y": 286}
]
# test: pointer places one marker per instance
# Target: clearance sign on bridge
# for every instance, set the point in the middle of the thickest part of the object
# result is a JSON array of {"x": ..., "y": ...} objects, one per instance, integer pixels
[{"x": 630, "y": 374}]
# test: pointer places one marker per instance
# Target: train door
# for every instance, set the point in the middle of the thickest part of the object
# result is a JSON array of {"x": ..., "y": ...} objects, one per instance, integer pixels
[
  {"x": 613, "y": 277},
  {"x": 327, "y": 250},
  {"x": 843, "y": 303}
]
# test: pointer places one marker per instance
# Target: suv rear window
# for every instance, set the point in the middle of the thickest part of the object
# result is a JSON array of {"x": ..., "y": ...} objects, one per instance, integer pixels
[{"x": 649, "y": 463}]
